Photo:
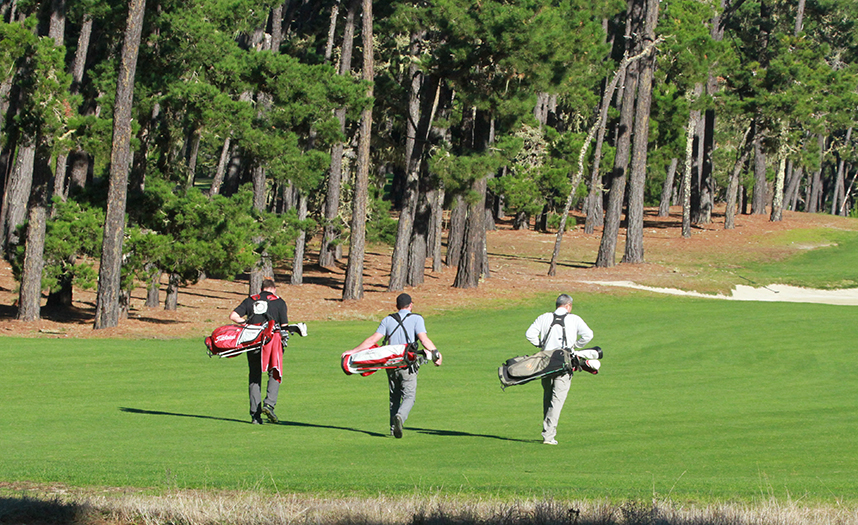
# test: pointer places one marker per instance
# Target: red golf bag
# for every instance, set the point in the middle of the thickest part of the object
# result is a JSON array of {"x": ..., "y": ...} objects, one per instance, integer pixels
[{"x": 232, "y": 340}]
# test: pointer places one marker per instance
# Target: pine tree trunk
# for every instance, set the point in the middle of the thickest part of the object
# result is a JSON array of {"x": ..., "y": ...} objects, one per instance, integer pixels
[
  {"x": 816, "y": 180},
  {"x": 685, "y": 188},
  {"x": 353, "y": 286},
  {"x": 456, "y": 236},
  {"x": 419, "y": 241},
  {"x": 838, "y": 200},
  {"x": 405, "y": 226},
  {"x": 733, "y": 184},
  {"x": 171, "y": 301},
  {"x": 109, "y": 275},
  {"x": 634, "y": 252},
  {"x": 437, "y": 224},
  {"x": 470, "y": 262},
  {"x": 154, "y": 288},
  {"x": 217, "y": 181},
  {"x": 30, "y": 296},
  {"x": 17, "y": 195},
  {"x": 331, "y": 233},
  {"x": 613, "y": 214},
  {"x": 667, "y": 189},
  {"x": 758, "y": 205},
  {"x": 300, "y": 243}
]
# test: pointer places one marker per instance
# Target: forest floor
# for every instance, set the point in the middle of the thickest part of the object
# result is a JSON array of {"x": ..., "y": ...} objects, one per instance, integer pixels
[{"x": 708, "y": 262}]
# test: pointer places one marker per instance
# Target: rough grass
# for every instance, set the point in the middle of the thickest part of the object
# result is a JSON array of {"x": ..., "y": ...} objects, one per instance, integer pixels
[{"x": 251, "y": 508}]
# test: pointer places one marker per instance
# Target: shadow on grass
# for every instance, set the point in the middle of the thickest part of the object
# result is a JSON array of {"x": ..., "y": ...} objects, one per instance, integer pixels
[
  {"x": 176, "y": 414},
  {"x": 459, "y": 433},
  {"x": 32, "y": 511},
  {"x": 232, "y": 420}
]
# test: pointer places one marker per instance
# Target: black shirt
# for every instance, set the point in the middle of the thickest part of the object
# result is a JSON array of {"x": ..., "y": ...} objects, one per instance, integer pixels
[{"x": 276, "y": 309}]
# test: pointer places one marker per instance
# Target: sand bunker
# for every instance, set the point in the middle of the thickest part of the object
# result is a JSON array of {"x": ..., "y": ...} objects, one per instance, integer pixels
[{"x": 771, "y": 293}]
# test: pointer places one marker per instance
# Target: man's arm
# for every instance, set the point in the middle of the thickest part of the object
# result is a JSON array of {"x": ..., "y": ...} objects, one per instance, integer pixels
[
  {"x": 368, "y": 342},
  {"x": 584, "y": 334},
  {"x": 429, "y": 345},
  {"x": 534, "y": 332},
  {"x": 236, "y": 318}
]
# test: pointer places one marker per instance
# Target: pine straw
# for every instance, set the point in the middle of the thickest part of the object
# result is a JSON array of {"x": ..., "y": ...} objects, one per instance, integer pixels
[{"x": 249, "y": 508}]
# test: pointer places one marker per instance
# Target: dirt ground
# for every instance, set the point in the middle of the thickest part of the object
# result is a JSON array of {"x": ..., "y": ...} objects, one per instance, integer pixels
[{"x": 518, "y": 265}]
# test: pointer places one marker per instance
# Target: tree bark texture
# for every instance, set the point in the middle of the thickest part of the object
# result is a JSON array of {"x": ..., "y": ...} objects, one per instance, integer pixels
[
  {"x": 758, "y": 205},
  {"x": 685, "y": 188},
  {"x": 300, "y": 243},
  {"x": 634, "y": 252},
  {"x": 816, "y": 181},
  {"x": 109, "y": 275},
  {"x": 30, "y": 296},
  {"x": 470, "y": 262},
  {"x": 733, "y": 183},
  {"x": 17, "y": 195},
  {"x": 405, "y": 224},
  {"x": 353, "y": 286},
  {"x": 667, "y": 189},
  {"x": 171, "y": 301},
  {"x": 331, "y": 233},
  {"x": 456, "y": 235}
]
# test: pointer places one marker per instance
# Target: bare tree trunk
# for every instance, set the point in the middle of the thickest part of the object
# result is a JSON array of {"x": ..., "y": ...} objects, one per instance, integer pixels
[
  {"x": 598, "y": 127},
  {"x": 419, "y": 242},
  {"x": 778, "y": 197},
  {"x": 192, "y": 158},
  {"x": 171, "y": 301},
  {"x": 300, "y": 243},
  {"x": 758, "y": 205},
  {"x": 437, "y": 224},
  {"x": 733, "y": 185},
  {"x": 217, "y": 181},
  {"x": 109, "y": 275},
  {"x": 470, "y": 262},
  {"x": 152, "y": 291},
  {"x": 331, "y": 232},
  {"x": 17, "y": 194},
  {"x": 405, "y": 225},
  {"x": 667, "y": 189},
  {"x": 456, "y": 236},
  {"x": 30, "y": 296},
  {"x": 799, "y": 18},
  {"x": 353, "y": 286},
  {"x": 838, "y": 199},
  {"x": 685, "y": 188},
  {"x": 634, "y": 229},
  {"x": 816, "y": 180}
]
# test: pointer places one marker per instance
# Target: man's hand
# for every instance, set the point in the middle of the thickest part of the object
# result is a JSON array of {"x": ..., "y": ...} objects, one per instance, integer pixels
[{"x": 434, "y": 356}]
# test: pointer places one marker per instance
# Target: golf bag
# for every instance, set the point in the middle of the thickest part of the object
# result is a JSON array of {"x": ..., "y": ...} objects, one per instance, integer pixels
[
  {"x": 232, "y": 340},
  {"x": 549, "y": 363},
  {"x": 369, "y": 361}
]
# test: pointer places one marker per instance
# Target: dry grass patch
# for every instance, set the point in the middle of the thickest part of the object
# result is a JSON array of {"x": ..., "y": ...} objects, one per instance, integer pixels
[{"x": 36, "y": 506}]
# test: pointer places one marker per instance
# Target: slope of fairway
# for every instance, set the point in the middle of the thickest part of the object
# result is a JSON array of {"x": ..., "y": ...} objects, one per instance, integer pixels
[{"x": 696, "y": 400}]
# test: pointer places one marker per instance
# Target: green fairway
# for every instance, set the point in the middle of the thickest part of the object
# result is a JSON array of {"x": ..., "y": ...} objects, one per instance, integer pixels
[
  {"x": 827, "y": 260},
  {"x": 697, "y": 399}
]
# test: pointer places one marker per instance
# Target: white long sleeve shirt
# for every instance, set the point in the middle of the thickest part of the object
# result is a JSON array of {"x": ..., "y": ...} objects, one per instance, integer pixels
[{"x": 578, "y": 334}]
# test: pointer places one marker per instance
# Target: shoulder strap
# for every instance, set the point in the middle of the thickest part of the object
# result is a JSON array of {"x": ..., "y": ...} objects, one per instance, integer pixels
[
  {"x": 558, "y": 320},
  {"x": 399, "y": 325}
]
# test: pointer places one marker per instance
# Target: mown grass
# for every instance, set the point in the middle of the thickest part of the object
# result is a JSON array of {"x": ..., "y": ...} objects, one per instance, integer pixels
[
  {"x": 827, "y": 261},
  {"x": 698, "y": 400}
]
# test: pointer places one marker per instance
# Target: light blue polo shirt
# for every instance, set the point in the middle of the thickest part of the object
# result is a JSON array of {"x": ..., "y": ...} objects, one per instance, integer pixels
[{"x": 413, "y": 325}]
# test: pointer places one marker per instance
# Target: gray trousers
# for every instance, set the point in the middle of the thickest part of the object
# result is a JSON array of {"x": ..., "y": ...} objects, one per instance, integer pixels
[
  {"x": 554, "y": 392},
  {"x": 254, "y": 379},
  {"x": 402, "y": 384}
]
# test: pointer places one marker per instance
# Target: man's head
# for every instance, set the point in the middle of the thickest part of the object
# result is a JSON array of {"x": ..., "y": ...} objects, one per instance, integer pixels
[
  {"x": 564, "y": 301},
  {"x": 268, "y": 284},
  {"x": 403, "y": 301}
]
